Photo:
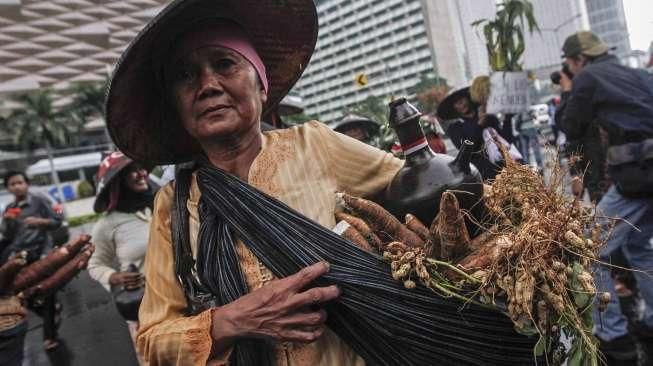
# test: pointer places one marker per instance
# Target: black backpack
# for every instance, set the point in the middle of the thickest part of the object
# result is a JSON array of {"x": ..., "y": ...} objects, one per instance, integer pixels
[
  {"x": 629, "y": 155},
  {"x": 630, "y": 166}
]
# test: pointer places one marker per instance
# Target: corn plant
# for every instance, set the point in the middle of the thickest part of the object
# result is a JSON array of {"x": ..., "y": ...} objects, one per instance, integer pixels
[{"x": 504, "y": 35}]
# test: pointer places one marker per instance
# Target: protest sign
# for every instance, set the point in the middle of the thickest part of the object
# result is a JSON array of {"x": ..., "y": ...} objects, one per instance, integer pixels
[{"x": 508, "y": 92}]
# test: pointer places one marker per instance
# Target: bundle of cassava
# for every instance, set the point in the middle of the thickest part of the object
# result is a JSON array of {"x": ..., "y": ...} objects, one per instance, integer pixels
[
  {"x": 48, "y": 274},
  {"x": 531, "y": 261}
]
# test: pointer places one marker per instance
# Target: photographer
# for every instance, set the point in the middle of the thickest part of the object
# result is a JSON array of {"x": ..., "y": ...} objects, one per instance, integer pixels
[{"x": 607, "y": 111}]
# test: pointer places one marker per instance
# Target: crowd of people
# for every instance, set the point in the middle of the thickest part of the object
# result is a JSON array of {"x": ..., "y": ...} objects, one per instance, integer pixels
[{"x": 218, "y": 72}]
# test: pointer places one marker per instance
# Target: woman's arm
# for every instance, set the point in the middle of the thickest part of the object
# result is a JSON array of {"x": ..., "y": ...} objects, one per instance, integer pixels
[
  {"x": 100, "y": 266},
  {"x": 54, "y": 220},
  {"x": 359, "y": 169},
  {"x": 166, "y": 336},
  {"x": 277, "y": 310}
]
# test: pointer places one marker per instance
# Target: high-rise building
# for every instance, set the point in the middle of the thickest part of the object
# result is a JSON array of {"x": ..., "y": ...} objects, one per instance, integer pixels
[
  {"x": 471, "y": 45},
  {"x": 391, "y": 42},
  {"x": 608, "y": 20},
  {"x": 556, "y": 19},
  {"x": 53, "y": 43}
]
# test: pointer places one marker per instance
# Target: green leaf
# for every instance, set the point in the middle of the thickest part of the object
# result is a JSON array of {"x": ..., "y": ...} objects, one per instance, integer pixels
[
  {"x": 504, "y": 34},
  {"x": 575, "y": 357},
  {"x": 541, "y": 346}
]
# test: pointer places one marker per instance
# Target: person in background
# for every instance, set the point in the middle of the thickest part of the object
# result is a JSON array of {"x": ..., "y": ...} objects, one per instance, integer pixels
[
  {"x": 434, "y": 134},
  {"x": 13, "y": 314},
  {"x": 358, "y": 127},
  {"x": 580, "y": 127},
  {"x": 126, "y": 197},
  {"x": 470, "y": 123},
  {"x": 607, "y": 110},
  {"x": 13, "y": 328},
  {"x": 552, "y": 105},
  {"x": 26, "y": 223},
  {"x": 528, "y": 137}
]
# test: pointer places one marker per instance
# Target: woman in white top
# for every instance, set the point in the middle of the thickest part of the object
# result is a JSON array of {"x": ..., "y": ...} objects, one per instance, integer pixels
[{"x": 126, "y": 196}]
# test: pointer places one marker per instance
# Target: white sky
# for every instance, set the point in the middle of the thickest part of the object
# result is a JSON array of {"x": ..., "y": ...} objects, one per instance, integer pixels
[{"x": 639, "y": 16}]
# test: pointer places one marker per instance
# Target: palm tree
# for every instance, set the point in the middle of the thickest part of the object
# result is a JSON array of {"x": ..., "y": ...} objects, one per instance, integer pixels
[
  {"x": 504, "y": 35},
  {"x": 38, "y": 122},
  {"x": 87, "y": 103},
  {"x": 88, "y": 99}
]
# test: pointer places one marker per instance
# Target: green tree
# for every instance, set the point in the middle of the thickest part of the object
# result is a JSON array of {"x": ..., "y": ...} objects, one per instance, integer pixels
[
  {"x": 298, "y": 119},
  {"x": 504, "y": 35},
  {"x": 37, "y": 122},
  {"x": 374, "y": 108},
  {"x": 87, "y": 104},
  {"x": 428, "y": 81},
  {"x": 429, "y": 92},
  {"x": 87, "y": 100}
]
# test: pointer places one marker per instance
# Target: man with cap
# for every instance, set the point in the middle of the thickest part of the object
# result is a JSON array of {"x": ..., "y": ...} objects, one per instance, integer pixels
[
  {"x": 580, "y": 50},
  {"x": 605, "y": 107}
]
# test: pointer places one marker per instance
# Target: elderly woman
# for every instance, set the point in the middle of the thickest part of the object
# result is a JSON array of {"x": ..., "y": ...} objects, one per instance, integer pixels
[{"x": 195, "y": 85}]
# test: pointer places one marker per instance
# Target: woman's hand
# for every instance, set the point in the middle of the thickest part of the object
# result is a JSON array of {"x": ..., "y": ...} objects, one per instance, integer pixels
[
  {"x": 280, "y": 310},
  {"x": 127, "y": 279}
]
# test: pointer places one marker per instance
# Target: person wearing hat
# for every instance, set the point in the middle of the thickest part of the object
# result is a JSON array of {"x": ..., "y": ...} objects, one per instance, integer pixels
[
  {"x": 580, "y": 50},
  {"x": 194, "y": 85},
  {"x": 469, "y": 124},
  {"x": 607, "y": 111},
  {"x": 357, "y": 127},
  {"x": 125, "y": 196}
]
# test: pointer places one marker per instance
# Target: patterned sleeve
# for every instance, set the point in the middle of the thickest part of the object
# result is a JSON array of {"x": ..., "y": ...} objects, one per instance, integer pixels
[
  {"x": 359, "y": 169},
  {"x": 166, "y": 336}
]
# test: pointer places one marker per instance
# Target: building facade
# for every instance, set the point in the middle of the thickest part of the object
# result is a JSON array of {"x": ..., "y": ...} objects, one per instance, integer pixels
[
  {"x": 393, "y": 43},
  {"x": 608, "y": 20},
  {"x": 57, "y": 42},
  {"x": 557, "y": 19},
  {"x": 471, "y": 46}
]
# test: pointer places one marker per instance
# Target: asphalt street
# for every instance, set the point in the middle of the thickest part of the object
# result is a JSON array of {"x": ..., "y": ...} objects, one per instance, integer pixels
[{"x": 92, "y": 333}]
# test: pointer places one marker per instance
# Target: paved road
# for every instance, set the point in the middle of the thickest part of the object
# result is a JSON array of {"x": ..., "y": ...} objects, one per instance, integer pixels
[{"x": 92, "y": 331}]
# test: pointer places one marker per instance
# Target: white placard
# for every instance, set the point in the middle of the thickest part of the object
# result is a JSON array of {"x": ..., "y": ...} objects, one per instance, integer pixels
[{"x": 508, "y": 92}]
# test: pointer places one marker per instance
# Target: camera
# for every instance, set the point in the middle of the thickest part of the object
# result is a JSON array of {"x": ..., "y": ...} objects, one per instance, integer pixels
[{"x": 555, "y": 76}]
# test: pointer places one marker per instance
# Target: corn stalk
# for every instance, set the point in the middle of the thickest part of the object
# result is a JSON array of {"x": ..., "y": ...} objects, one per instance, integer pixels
[{"x": 504, "y": 35}]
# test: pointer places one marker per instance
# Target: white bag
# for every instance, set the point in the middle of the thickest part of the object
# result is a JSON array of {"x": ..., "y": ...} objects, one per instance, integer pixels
[{"x": 492, "y": 149}]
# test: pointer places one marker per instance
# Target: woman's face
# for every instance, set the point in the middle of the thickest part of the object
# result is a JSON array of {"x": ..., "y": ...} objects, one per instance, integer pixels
[
  {"x": 462, "y": 106},
  {"x": 217, "y": 93},
  {"x": 136, "y": 178}
]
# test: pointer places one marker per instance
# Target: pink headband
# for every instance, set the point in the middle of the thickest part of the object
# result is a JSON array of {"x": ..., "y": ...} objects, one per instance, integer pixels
[{"x": 227, "y": 35}]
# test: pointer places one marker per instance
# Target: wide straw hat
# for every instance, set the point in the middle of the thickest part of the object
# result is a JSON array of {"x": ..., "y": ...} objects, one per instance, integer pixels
[
  {"x": 446, "y": 111},
  {"x": 140, "y": 116}
]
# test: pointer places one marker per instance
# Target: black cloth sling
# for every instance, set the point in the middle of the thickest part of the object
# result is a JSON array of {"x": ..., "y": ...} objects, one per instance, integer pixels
[{"x": 382, "y": 321}]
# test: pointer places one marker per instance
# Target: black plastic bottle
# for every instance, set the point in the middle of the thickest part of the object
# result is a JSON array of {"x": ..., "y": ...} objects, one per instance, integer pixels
[{"x": 418, "y": 186}]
